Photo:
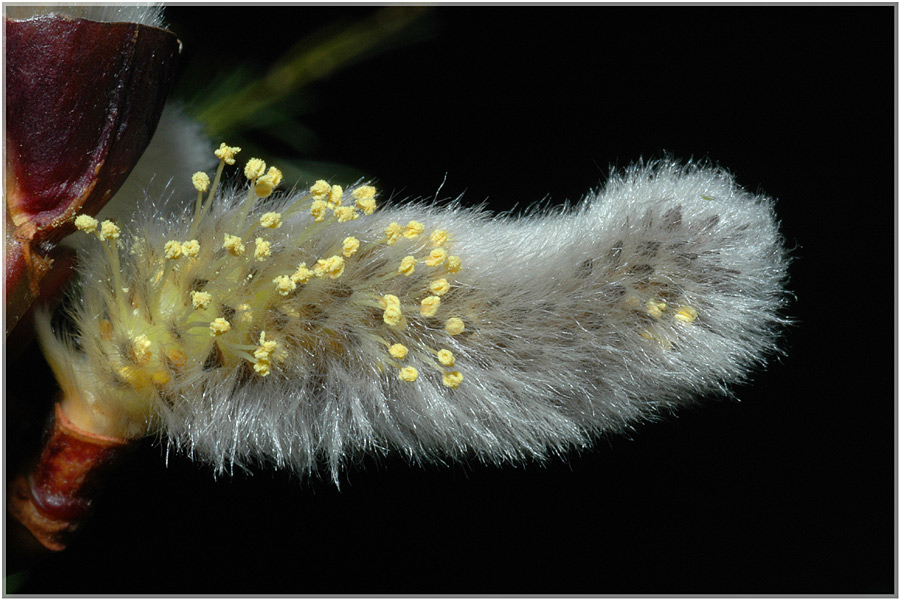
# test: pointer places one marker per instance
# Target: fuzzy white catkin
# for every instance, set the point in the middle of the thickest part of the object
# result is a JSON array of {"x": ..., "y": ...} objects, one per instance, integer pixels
[{"x": 664, "y": 286}]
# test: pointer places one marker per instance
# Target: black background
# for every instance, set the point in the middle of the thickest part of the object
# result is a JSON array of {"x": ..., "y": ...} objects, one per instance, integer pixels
[{"x": 789, "y": 490}]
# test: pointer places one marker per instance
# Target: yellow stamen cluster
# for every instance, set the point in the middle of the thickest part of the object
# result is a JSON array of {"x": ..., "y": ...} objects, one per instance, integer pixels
[
  {"x": 398, "y": 351},
  {"x": 140, "y": 350},
  {"x": 266, "y": 184},
  {"x": 109, "y": 230},
  {"x": 454, "y": 326},
  {"x": 430, "y": 306},
  {"x": 437, "y": 256},
  {"x": 86, "y": 223},
  {"x": 333, "y": 267},
  {"x": 191, "y": 249},
  {"x": 263, "y": 355},
  {"x": 302, "y": 274},
  {"x": 350, "y": 246},
  {"x": 271, "y": 220},
  {"x": 318, "y": 210},
  {"x": 393, "y": 232},
  {"x": 219, "y": 326},
  {"x": 172, "y": 250},
  {"x": 284, "y": 284},
  {"x": 407, "y": 265},
  {"x": 345, "y": 213},
  {"x": 254, "y": 169},
  {"x": 263, "y": 249},
  {"x": 320, "y": 190},
  {"x": 454, "y": 264},
  {"x": 392, "y": 313},
  {"x": 438, "y": 237},
  {"x": 409, "y": 374},
  {"x": 234, "y": 245},
  {"x": 336, "y": 196},
  {"x": 200, "y": 181},
  {"x": 227, "y": 153},
  {"x": 686, "y": 314},
  {"x": 439, "y": 287},
  {"x": 655, "y": 309},
  {"x": 452, "y": 379},
  {"x": 365, "y": 198},
  {"x": 201, "y": 300},
  {"x": 446, "y": 358},
  {"x": 413, "y": 230}
]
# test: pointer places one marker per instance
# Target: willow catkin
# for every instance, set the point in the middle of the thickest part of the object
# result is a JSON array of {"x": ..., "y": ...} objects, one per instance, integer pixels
[{"x": 306, "y": 328}]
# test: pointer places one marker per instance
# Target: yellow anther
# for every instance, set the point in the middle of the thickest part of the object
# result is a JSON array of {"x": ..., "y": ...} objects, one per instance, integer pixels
[
  {"x": 320, "y": 190},
  {"x": 234, "y": 245},
  {"x": 109, "y": 230},
  {"x": 219, "y": 326},
  {"x": 177, "y": 357},
  {"x": 140, "y": 350},
  {"x": 655, "y": 309},
  {"x": 284, "y": 284},
  {"x": 86, "y": 223},
  {"x": 172, "y": 250},
  {"x": 318, "y": 210},
  {"x": 351, "y": 245},
  {"x": 262, "y": 366},
  {"x": 336, "y": 196},
  {"x": 201, "y": 300},
  {"x": 398, "y": 351},
  {"x": 265, "y": 185},
  {"x": 413, "y": 230},
  {"x": 438, "y": 237},
  {"x": 392, "y": 315},
  {"x": 254, "y": 169},
  {"x": 200, "y": 181},
  {"x": 436, "y": 257},
  {"x": 263, "y": 249},
  {"x": 367, "y": 205},
  {"x": 649, "y": 335},
  {"x": 275, "y": 176},
  {"x": 454, "y": 264},
  {"x": 430, "y": 306},
  {"x": 686, "y": 314},
  {"x": 135, "y": 377},
  {"x": 227, "y": 153},
  {"x": 332, "y": 266},
  {"x": 302, "y": 274},
  {"x": 453, "y": 379},
  {"x": 446, "y": 358},
  {"x": 365, "y": 198},
  {"x": 439, "y": 287},
  {"x": 407, "y": 265},
  {"x": 191, "y": 249},
  {"x": 454, "y": 326},
  {"x": 364, "y": 192},
  {"x": 409, "y": 374},
  {"x": 271, "y": 220},
  {"x": 345, "y": 213},
  {"x": 266, "y": 347},
  {"x": 160, "y": 378},
  {"x": 336, "y": 266},
  {"x": 389, "y": 300},
  {"x": 393, "y": 233}
]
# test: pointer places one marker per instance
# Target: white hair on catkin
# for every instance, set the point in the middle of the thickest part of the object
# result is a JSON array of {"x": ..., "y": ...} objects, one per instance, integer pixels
[{"x": 527, "y": 337}]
